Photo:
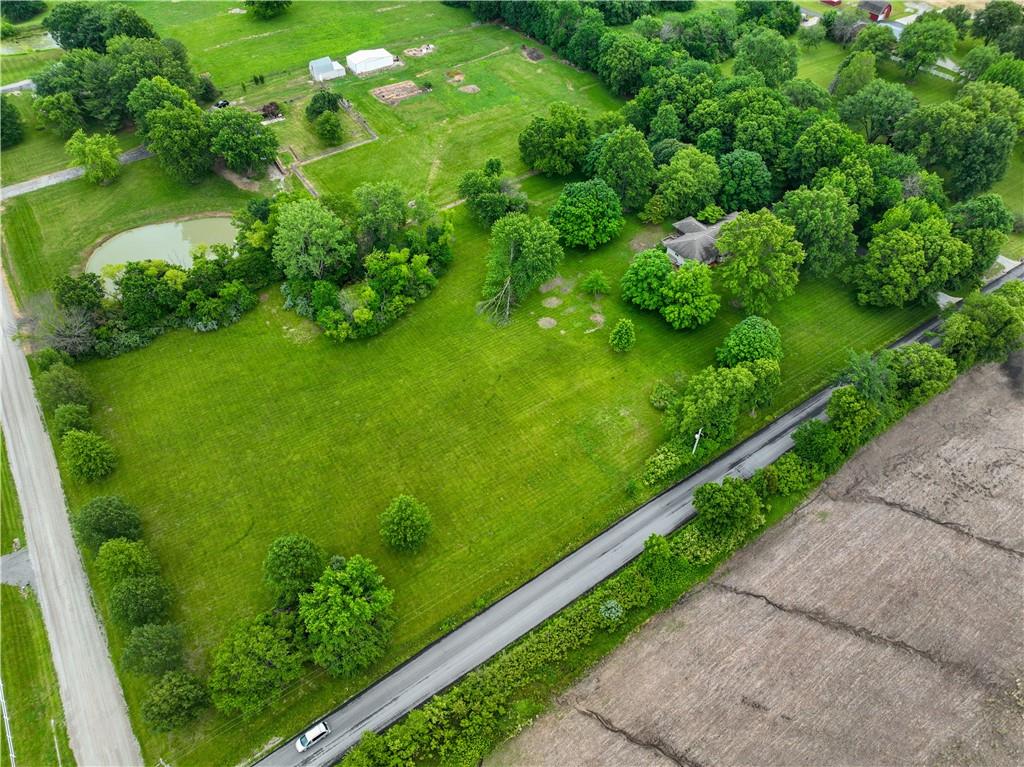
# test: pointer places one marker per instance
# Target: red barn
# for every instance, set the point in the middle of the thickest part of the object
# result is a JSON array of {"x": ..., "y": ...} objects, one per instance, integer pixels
[
  {"x": 832, "y": 2},
  {"x": 878, "y": 10}
]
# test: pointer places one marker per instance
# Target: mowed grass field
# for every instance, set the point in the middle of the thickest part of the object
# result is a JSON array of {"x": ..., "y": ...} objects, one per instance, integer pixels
[
  {"x": 47, "y": 233},
  {"x": 11, "y": 526},
  {"x": 520, "y": 439}
]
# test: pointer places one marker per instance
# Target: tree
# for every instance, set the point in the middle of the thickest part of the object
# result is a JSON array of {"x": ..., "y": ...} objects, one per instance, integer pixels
[
  {"x": 311, "y": 243},
  {"x": 595, "y": 284},
  {"x": 98, "y": 153},
  {"x": 68, "y": 417},
  {"x": 855, "y": 73},
  {"x": 689, "y": 182},
  {"x": 328, "y": 128},
  {"x": 665, "y": 125},
  {"x": 1007, "y": 71},
  {"x": 623, "y": 335},
  {"x": 239, "y": 136},
  {"x": 766, "y": 51},
  {"x": 727, "y": 511},
  {"x": 853, "y": 418},
  {"x": 687, "y": 298},
  {"x": 176, "y": 698},
  {"x": 960, "y": 17},
  {"x": 59, "y": 113},
  {"x": 818, "y": 443},
  {"x": 977, "y": 61},
  {"x": 140, "y": 600},
  {"x": 257, "y": 660},
  {"x": 60, "y": 385},
  {"x": 983, "y": 222},
  {"x": 924, "y": 42},
  {"x": 77, "y": 25},
  {"x": 405, "y": 523},
  {"x": 987, "y": 328},
  {"x": 488, "y": 196},
  {"x": 996, "y": 17},
  {"x": 644, "y": 278},
  {"x": 180, "y": 139},
  {"x": 104, "y": 518},
  {"x": 844, "y": 24},
  {"x": 753, "y": 338},
  {"x": 912, "y": 254},
  {"x": 877, "y": 107},
  {"x": 17, "y": 11},
  {"x": 322, "y": 100},
  {"x": 704, "y": 416},
  {"x": 524, "y": 253},
  {"x": 348, "y": 617},
  {"x": 877, "y": 39},
  {"x": 82, "y": 292},
  {"x": 811, "y": 37},
  {"x": 380, "y": 212},
  {"x": 292, "y": 563},
  {"x": 625, "y": 163},
  {"x": 12, "y": 126},
  {"x": 1011, "y": 41},
  {"x": 762, "y": 259},
  {"x": 556, "y": 145},
  {"x": 824, "y": 144},
  {"x": 746, "y": 181},
  {"x": 804, "y": 94},
  {"x": 587, "y": 214},
  {"x": 267, "y": 9},
  {"x": 87, "y": 455},
  {"x": 624, "y": 59},
  {"x": 767, "y": 375},
  {"x": 153, "y": 648},
  {"x": 119, "y": 559},
  {"x": 823, "y": 220},
  {"x": 919, "y": 372}
]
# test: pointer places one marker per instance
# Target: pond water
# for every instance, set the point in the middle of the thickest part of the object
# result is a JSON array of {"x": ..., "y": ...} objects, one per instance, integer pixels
[
  {"x": 171, "y": 242},
  {"x": 40, "y": 41}
]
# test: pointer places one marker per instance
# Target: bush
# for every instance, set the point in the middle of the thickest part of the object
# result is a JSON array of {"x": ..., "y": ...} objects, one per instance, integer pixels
[
  {"x": 137, "y": 601},
  {"x": 62, "y": 385},
  {"x": 623, "y": 335},
  {"x": 595, "y": 283},
  {"x": 752, "y": 339},
  {"x": 729, "y": 511},
  {"x": 664, "y": 463},
  {"x": 47, "y": 357},
  {"x": 818, "y": 444},
  {"x": 12, "y": 126},
  {"x": 154, "y": 648},
  {"x": 405, "y": 524},
  {"x": 292, "y": 563},
  {"x": 174, "y": 701},
  {"x": 119, "y": 559},
  {"x": 67, "y": 417},
  {"x": 104, "y": 518},
  {"x": 87, "y": 455},
  {"x": 663, "y": 394}
]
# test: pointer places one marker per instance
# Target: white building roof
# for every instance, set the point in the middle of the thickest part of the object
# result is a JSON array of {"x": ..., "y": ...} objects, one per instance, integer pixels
[{"x": 366, "y": 56}]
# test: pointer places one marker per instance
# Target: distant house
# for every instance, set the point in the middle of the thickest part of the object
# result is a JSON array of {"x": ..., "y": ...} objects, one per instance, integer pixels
[
  {"x": 325, "y": 69},
  {"x": 878, "y": 10},
  {"x": 832, "y": 2},
  {"x": 695, "y": 241},
  {"x": 364, "y": 62}
]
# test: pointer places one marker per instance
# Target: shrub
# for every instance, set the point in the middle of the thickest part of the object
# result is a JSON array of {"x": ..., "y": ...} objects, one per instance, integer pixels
[
  {"x": 119, "y": 559},
  {"x": 752, "y": 339},
  {"x": 405, "y": 523},
  {"x": 62, "y": 385},
  {"x": 103, "y": 518},
  {"x": 68, "y": 416},
  {"x": 596, "y": 283},
  {"x": 664, "y": 463},
  {"x": 728, "y": 511},
  {"x": 87, "y": 455},
  {"x": 12, "y": 126},
  {"x": 174, "y": 701},
  {"x": 47, "y": 357},
  {"x": 292, "y": 563},
  {"x": 154, "y": 648},
  {"x": 663, "y": 394},
  {"x": 136, "y": 601},
  {"x": 818, "y": 444},
  {"x": 623, "y": 335}
]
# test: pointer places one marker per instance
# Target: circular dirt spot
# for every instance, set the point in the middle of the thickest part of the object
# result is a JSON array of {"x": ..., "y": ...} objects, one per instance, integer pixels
[
  {"x": 547, "y": 322},
  {"x": 552, "y": 301}
]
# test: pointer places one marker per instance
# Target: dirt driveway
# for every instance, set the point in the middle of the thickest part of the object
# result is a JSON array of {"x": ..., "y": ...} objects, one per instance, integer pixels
[{"x": 880, "y": 624}]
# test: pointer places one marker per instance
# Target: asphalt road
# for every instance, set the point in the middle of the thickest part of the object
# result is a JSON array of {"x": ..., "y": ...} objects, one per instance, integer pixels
[
  {"x": 94, "y": 707},
  {"x": 454, "y": 655}
]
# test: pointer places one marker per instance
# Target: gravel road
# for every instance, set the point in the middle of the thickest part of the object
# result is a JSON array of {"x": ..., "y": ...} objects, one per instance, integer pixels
[
  {"x": 97, "y": 718},
  {"x": 60, "y": 176}
]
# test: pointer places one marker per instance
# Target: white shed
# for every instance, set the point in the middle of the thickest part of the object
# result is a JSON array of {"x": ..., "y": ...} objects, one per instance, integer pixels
[
  {"x": 325, "y": 69},
  {"x": 364, "y": 62}
]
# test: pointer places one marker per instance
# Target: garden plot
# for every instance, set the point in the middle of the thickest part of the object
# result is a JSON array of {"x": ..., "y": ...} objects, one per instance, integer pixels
[{"x": 397, "y": 92}]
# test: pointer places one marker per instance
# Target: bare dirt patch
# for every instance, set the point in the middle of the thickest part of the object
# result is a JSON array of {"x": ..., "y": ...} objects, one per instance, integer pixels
[
  {"x": 880, "y": 623},
  {"x": 555, "y": 282},
  {"x": 454, "y": 78},
  {"x": 552, "y": 301},
  {"x": 423, "y": 50},
  {"x": 547, "y": 322},
  {"x": 396, "y": 92},
  {"x": 598, "y": 319},
  {"x": 470, "y": 89},
  {"x": 531, "y": 53}
]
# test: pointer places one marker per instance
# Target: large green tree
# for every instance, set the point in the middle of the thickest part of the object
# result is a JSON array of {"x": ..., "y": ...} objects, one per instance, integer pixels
[
  {"x": 624, "y": 59},
  {"x": 524, "y": 253},
  {"x": 762, "y": 259},
  {"x": 877, "y": 107},
  {"x": 995, "y": 18},
  {"x": 154, "y": 93},
  {"x": 687, "y": 297},
  {"x": 180, "y": 139},
  {"x": 688, "y": 184},
  {"x": 12, "y": 127},
  {"x": 766, "y": 51},
  {"x": 238, "y": 136},
  {"x": 746, "y": 181},
  {"x": 987, "y": 328},
  {"x": 626, "y": 164},
  {"x": 924, "y": 42},
  {"x": 292, "y": 563},
  {"x": 705, "y": 415},
  {"x": 587, "y": 214},
  {"x": 854, "y": 73},
  {"x": 348, "y": 617},
  {"x": 556, "y": 144},
  {"x": 823, "y": 220},
  {"x": 753, "y": 338},
  {"x": 311, "y": 243},
  {"x": 98, "y": 153},
  {"x": 380, "y": 210}
]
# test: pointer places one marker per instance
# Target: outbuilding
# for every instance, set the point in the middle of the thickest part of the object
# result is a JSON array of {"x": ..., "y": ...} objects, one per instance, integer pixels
[
  {"x": 372, "y": 60},
  {"x": 878, "y": 10},
  {"x": 324, "y": 69}
]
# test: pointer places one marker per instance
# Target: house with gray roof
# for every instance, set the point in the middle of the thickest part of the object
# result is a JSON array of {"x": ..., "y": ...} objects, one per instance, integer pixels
[
  {"x": 324, "y": 69},
  {"x": 694, "y": 241}
]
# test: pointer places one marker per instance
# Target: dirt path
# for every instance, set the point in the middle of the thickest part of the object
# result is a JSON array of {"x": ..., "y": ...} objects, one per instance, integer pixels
[
  {"x": 881, "y": 623},
  {"x": 59, "y": 177},
  {"x": 97, "y": 718}
]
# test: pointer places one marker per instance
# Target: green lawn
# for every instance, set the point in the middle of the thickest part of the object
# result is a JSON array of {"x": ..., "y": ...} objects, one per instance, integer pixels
[
  {"x": 520, "y": 439},
  {"x": 41, "y": 151},
  {"x": 48, "y": 232},
  {"x": 430, "y": 140},
  {"x": 11, "y": 526},
  {"x": 21, "y": 66},
  {"x": 296, "y": 132}
]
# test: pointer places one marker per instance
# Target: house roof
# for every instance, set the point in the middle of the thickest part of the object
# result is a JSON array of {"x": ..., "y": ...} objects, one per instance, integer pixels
[
  {"x": 323, "y": 65},
  {"x": 696, "y": 245},
  {"x": 688, "y": 225},
  {"x": 874, "y": 6},
  {"x": 364, "y": 56}
]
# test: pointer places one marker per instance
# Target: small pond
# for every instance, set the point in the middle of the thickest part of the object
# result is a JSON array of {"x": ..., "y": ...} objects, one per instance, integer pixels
[
  {"x": 171, "y": 242},
  {"x": 38, "y": 41}
]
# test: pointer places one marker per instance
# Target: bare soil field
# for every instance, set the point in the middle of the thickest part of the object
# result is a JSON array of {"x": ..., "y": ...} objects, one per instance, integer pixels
[
  {"x": 882, "y": 623},
  {"x": 396, "y": 92}
]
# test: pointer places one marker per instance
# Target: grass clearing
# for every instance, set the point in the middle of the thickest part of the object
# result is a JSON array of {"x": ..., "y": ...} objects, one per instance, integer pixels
[
  {"x": 278, "y": 430},
  {"x": 48, "y": 232},
  {"x": 15, "y": 67},
  {"x": 11, "y": 526}
]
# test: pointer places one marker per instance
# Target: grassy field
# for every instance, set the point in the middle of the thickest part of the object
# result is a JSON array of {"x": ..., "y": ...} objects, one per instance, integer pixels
[
  {"x": 520, "y": 439},
  {"x": 11, "y": 526},
  {"x": 42, "y": 151},
  {"x": 21, "y": 66},
  {"x": 431, "y": 139},
  {"x": 47, "y": 232}
]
